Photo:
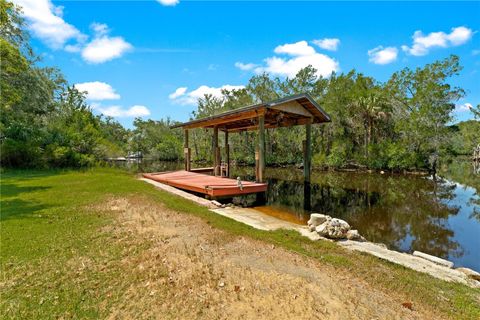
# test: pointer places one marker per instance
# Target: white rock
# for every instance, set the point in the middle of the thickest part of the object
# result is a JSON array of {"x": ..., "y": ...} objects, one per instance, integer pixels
[
  {"x": 333, "y": 229},
  {"x": 354, "y": 235},
  {"x": 337, "y": 233},
  {"x": 470, "y": 273},
  {"x": 339, "y": 223},
  {"x": 317, "y": 219},
  {"x": 322, "y": 229},
  {"x": 433, "y": 259}
]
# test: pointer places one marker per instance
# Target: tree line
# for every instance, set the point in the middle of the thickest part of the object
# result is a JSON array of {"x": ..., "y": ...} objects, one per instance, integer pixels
[
  {"x": 403, "y": 123},
  {"x": 44, "y": 121}
]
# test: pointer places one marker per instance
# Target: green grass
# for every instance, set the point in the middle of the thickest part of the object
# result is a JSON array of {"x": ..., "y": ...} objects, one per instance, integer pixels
[{"x": 56, "y": 262}]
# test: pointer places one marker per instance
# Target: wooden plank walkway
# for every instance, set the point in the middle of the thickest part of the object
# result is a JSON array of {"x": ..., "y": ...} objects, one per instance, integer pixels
[{"x": 206, "y": 184}]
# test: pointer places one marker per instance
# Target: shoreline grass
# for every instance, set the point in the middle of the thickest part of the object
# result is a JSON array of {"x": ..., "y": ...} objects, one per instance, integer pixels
[{"x": 49, "y": 224}]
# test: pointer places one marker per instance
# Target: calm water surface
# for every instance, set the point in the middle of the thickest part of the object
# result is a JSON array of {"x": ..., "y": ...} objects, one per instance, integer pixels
[{"x": 437, "y": 216}]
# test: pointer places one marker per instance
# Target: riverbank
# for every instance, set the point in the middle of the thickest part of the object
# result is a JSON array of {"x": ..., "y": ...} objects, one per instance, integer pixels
[
  {"x": 350, "y": 168},
  {"x": 99, "y": 243}
]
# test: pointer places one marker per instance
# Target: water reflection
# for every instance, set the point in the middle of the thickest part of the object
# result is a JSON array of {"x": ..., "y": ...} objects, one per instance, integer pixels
[
  {"x": 406, "y": 213},
  {"x": 307, "y": 196}
]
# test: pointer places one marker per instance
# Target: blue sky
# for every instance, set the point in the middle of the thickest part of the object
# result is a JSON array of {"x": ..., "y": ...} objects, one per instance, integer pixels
[{"x": 154, "y": 58}]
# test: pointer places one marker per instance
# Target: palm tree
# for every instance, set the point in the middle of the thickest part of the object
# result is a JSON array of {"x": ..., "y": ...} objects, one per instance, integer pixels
[{"x": 371, "y": 107}]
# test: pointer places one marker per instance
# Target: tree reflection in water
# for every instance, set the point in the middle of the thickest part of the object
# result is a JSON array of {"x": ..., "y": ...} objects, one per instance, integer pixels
[{"x": 406, "y": 213}]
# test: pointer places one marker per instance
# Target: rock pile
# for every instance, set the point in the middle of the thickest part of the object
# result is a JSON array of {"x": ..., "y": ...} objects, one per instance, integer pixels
[{"x": 332, "y": 228}]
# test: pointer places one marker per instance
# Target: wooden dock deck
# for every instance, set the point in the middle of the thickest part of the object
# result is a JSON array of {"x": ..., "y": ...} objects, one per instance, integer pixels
[{"x": 206, "y": 184}]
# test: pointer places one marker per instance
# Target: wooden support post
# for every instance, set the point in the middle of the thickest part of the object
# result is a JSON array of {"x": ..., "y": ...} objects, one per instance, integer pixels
[
  {"x": 227, "y": 155},
  {"x": 216, "y": 163},
  {"x": 261, "y": 148},
  {"x": 256, "y": 165},
  {"x": 219, "y": 161},
  {"x": 186, "y": 151},
  {"x": 307, "y": 160}
]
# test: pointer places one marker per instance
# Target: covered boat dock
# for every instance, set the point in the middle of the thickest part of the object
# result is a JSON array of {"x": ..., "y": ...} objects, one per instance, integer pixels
[{"x": 294, "y": 110}]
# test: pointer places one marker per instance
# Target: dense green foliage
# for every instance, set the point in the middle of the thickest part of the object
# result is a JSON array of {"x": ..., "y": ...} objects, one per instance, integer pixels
[
  {"x": 400, "y": 124},
  {"x": 156, "y": 139},
  {"x": 44, "y": 121},
  {"x": 465, "y": 136},
  {"x": 404, "y": 123}
]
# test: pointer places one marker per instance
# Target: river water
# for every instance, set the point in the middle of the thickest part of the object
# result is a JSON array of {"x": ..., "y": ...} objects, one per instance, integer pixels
[{"x": 438, "y": 216}]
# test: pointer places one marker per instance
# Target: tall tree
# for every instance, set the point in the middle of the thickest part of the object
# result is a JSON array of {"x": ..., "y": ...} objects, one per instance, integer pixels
[{"x": 423, "y": 102}]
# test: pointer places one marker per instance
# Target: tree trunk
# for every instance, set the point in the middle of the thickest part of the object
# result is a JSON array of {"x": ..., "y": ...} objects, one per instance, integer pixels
[{"x": 366, "y": 139}]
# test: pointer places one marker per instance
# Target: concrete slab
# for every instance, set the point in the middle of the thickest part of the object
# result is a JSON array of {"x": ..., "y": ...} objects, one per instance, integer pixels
[
  {"x": 410, "y": 261},
  {"x": 433, "y": 259}
]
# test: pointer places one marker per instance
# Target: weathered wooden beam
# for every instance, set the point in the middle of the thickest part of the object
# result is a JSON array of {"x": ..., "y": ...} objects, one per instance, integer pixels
[
  {"x": 187, "y": 156},
  {"x": 227, "y": 119},
  {"x": 218, "y": 161},
  {"x": 186, "y": 151},
  {"x": 216, "y": 164},
  {"x": 261, "y": 148},
  {"x": 256, "y": 164},
  {"x": 227, "y": 154},
  {"x": 307, "y": 161},
  {"x": 285, "y": 123}
]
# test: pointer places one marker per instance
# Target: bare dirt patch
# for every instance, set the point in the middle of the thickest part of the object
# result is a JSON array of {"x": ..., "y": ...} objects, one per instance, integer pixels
[{"x": 183, "y": 268}]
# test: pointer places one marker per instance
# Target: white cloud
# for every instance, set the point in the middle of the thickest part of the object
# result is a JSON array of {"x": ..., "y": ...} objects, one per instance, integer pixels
[
  {"x": 302, "y": 55},
  {"x": 290, "y": 67},
  {"x": 168, "y": 2},
  {"x": 245, "y": 66},
  {"x": 299, "y": 55},
  {"x": 46, "y": 22},
  {"x": 181, "y": 96},
  {"x": 73, "y": 48},
  {"x": 380, "y": 55},
  {"x": 459, "y": 36},
  {"x": 463, "y": 107},
  {"x": 300, "y": 48},
  {"x": 179, "y": 92},
  {"x": 328, "y": 43},
  {"x": 118, "y": 111},
  {"x": 104, "y": 48},
  {"x": 98, "y": 91},
  {"x": 100, "y": 29},
  {"x": 423, "y": 43}
]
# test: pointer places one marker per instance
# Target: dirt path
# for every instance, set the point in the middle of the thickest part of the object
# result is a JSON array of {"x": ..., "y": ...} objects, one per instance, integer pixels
[{"x": 191, "y": 270}]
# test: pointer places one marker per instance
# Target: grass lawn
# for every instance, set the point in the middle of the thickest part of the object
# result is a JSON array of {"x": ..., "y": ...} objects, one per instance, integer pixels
[{"x": 57, "y": 262}]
